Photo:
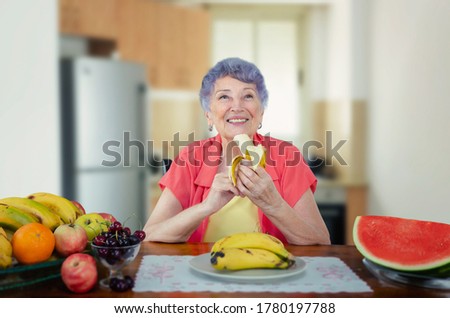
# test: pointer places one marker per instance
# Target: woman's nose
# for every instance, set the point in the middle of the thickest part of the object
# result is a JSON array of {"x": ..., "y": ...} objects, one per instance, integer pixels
[{"x": 236, "y": 104}]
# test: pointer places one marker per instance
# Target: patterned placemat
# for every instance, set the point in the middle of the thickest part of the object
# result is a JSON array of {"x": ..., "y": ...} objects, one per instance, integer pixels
[{"x": 161, "y": 273}]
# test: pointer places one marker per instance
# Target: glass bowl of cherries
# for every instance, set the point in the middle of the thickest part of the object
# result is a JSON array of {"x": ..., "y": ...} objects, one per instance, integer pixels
[{"x": 115, "y": 249}]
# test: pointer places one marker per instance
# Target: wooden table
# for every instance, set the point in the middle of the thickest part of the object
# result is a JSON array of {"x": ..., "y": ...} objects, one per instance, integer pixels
[{"x": 348, "y": 254}]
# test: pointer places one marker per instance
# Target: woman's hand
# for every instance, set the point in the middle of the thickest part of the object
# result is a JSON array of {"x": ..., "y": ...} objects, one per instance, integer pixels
[
  {"x": 222, "y": 191},
  {"x": 170, "y": 223},
  {"x": 258, "y": 186},
  {"x": 301, "y": 224}
]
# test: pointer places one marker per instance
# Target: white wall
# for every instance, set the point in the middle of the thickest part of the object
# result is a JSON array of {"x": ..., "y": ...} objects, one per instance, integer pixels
[
  {"x": 409, "y": 116},
  {"x": 29, "y": 135}
]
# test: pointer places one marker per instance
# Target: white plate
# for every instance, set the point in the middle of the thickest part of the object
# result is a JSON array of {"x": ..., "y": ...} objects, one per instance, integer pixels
[{"x": 203, "y": 265}]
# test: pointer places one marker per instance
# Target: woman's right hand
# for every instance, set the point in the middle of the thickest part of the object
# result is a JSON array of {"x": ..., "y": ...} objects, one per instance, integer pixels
[{"x": 221, "y": 192}]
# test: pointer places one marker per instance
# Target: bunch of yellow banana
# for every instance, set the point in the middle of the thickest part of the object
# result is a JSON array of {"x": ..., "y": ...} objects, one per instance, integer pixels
[
  {"x": 248, "y": 151},
  {"x": 28, "y": 206},
  {"x": 5, "y": 250},
  {"x": 250, "y": 250},
  {"x": 12, "y": 218},
  {"x": 49, "y": 209},
  {"x": 62, "y": 207}
]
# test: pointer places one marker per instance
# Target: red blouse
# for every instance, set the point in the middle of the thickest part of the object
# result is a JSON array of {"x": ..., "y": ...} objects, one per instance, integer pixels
[{"x": 192, "y": 172}]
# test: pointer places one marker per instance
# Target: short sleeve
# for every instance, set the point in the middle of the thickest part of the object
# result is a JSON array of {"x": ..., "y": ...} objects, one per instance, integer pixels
[
  {"x": 296, "y": 177},
  {"x": 179, "y": 179}
]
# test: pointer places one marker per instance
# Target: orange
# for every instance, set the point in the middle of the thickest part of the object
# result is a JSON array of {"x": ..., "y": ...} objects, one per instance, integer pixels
[{"x": 33, "y": 243}]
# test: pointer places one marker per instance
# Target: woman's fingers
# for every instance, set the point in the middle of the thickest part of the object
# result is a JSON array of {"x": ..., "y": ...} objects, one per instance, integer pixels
[
  {"x": 249, "y": 181},
  {"x": 223, "y": 183},
  {"x": 258, "y": 186}
]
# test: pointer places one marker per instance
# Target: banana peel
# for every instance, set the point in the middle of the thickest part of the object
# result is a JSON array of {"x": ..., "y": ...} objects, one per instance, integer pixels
[
  {"x": 255, "y": 154},
  {"x": 234, "y": 168}
]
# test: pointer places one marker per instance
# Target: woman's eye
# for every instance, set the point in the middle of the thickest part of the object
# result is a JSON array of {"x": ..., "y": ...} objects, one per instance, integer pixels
[
  {"x": 249, "y": 96},
  {"x": 223, "y": 97}
]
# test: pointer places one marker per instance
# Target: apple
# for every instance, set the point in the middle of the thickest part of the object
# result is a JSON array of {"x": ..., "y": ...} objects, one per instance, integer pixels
[
  {"x": 80, "y": 209},
  {"x": 93, "y": 224},
  {"x": 79, "y": 272},
  {"x": 108, "y": 217},
  {"x": 70, "y": 239}
]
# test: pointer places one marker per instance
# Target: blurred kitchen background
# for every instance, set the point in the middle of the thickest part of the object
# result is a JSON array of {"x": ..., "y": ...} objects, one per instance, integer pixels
[{"x": 367, "y": 78}]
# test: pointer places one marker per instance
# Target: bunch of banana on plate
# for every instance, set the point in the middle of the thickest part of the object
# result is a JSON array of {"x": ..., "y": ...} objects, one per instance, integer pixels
[{"x": 250, "y": 251}]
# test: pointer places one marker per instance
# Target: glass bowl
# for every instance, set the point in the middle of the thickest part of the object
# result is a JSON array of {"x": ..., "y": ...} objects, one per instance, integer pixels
[{"x": 115, "y": 259}]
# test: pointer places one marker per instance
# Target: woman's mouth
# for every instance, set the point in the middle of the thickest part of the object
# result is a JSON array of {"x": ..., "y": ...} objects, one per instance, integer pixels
[{"x": 237, "y": 120}]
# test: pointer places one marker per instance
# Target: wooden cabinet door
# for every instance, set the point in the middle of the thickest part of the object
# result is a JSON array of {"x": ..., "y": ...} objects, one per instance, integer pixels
[
  {"x": 138, "y": 34},
  {"x": 90, "y": 18},
  {"x": 170, "y": 47},
  {"x": 172, "y": 41},
  {"x": 184, "y": 47},
  {"x": 197, "y": 47},
  {"x": 69, "y": 21}
]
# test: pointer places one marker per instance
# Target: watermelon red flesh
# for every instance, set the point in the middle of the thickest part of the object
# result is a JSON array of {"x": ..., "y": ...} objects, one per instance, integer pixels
[{"x": 403, "y": 244}]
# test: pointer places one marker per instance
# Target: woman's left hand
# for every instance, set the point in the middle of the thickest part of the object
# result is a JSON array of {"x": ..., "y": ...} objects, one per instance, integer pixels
[{"x": 258, "y": 186}]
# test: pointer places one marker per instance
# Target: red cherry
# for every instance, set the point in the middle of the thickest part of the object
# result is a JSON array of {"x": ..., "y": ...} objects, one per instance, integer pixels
[
  {"x": 99, "y": 240},
  {"x": 139, "y": 234},
  {"x": 115, "y": 226}
]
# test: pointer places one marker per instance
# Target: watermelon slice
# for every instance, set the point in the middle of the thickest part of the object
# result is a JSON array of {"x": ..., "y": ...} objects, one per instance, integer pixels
[{"x": 403, "y": 244}]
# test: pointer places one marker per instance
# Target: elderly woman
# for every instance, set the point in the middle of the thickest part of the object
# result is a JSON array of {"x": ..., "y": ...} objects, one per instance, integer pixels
[{"x": 199, "y": 202}]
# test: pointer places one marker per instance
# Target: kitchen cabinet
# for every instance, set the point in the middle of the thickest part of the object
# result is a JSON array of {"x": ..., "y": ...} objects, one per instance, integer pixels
[
  {"x": 196, "y": 47},
  {"x": 183, "y": 47},
  {"x": 138, "y": 34},
  {"x": 173, "y": 42},
  {"x": 170, "y": 47},
  {"x": 89, "y": 18}
]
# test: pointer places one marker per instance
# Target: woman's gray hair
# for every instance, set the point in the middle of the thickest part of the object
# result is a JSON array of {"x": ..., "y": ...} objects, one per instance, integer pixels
[{"x": 238, "y": 69}]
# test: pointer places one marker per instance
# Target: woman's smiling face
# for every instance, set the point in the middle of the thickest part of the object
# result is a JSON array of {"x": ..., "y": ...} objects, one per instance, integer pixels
[{"x": 235, "y": 108}]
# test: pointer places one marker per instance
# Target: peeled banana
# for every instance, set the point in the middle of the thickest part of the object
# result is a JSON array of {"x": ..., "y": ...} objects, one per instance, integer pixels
[
  {"x": 5, "y": 250},
  {"x": 255, "y": 154},
  {"x": 12, "y": 218},
  {"x": 44, "y": 215},
  {"x": 59, "y": 205},
  {"x": 250, "y": 250}
]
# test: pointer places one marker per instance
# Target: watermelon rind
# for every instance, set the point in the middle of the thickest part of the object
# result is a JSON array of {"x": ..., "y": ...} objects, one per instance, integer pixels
[{"x": 388, "y": 241}]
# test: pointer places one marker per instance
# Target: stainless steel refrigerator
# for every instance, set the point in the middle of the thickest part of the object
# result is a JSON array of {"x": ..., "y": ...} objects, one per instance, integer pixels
[{"x": 103, "y": 125}]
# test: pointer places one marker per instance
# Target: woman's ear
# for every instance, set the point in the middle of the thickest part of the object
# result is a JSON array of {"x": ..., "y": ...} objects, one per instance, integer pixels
[{"x": 208, "y": 118}]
